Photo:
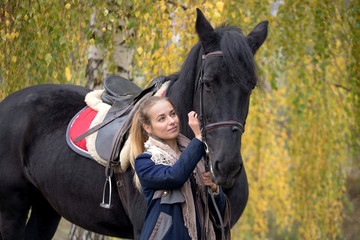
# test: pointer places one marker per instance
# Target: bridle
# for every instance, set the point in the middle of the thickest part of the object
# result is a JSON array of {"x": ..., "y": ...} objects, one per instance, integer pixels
[{"x": 235, "y": 125}]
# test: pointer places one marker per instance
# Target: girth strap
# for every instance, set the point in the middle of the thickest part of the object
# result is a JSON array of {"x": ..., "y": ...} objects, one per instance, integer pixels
[{"x": 120, "y": 184}]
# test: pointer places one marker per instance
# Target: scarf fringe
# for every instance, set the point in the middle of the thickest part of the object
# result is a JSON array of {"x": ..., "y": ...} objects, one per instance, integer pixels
[{"x": 163, "y": 154}]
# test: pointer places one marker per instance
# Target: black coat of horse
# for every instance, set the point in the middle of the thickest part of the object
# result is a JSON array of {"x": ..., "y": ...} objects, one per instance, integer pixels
[{"x": 39, "y": 172}]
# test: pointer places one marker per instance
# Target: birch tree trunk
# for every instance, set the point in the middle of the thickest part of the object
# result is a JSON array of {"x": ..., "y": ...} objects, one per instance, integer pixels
[{"x": 96, "y": 71}]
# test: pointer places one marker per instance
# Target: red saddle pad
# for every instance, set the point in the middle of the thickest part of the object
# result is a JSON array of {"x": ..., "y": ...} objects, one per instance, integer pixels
[{"x": 80, "y": 125}]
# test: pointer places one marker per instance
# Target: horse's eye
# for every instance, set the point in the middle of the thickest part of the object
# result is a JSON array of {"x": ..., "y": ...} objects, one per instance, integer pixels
[{"x": 207, "y": 83}]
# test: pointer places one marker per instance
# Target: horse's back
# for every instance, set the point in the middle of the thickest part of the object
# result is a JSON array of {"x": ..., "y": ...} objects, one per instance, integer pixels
[{"x": 42, "y": 99}]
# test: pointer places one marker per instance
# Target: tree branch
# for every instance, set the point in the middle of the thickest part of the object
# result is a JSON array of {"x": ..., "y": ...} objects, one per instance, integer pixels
[{"x": 181, "y": 5}]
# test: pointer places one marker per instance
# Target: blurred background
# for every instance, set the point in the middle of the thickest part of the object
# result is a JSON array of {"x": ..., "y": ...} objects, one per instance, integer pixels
[{"x": 301, "y": 148}]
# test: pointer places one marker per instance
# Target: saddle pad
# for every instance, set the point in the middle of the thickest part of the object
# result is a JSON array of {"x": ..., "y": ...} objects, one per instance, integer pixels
[{"x": 79, "y": 124}]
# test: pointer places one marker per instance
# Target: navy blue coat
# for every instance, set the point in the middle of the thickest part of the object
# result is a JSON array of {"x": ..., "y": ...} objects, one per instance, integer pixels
[{"x": 161, "y": 186}]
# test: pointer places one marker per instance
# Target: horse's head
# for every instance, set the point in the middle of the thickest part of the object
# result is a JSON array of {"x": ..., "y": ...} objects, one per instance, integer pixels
[{"x": 222, "y": 93}]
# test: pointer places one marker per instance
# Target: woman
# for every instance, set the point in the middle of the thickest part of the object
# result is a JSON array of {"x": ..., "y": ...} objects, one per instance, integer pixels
[{"x": 171, "y": 175}]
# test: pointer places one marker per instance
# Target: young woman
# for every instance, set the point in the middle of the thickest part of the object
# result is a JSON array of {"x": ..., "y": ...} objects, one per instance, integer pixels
[{"x": 172, "y": 174}]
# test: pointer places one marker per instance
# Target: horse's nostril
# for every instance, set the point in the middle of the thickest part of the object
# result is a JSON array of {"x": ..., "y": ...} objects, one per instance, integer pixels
[{"x": 217, "y": 166}]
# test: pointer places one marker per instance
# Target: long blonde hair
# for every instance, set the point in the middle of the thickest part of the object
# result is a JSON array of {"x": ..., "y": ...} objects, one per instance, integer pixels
[{"x": 138, "y": 135}]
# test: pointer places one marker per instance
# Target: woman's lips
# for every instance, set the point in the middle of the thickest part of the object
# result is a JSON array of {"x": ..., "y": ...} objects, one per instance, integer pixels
[{"x": 172, "y": 129}]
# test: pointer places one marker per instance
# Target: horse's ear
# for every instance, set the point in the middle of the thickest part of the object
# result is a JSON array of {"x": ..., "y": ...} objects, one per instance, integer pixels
[
  {"x": 257, "y": 36},
  {"x": 206, "y": 32}
]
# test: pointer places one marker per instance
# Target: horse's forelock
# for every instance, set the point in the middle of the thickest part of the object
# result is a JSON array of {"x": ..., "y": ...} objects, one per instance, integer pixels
[{"x": 238, "y": 57}]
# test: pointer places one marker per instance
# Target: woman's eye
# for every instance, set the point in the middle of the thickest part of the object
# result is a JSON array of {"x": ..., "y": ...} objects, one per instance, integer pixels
[{"x": 173, "y": 114}]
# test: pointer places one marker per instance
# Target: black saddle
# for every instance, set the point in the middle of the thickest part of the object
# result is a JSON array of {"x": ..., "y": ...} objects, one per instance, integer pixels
[{"x": 119, "y": 89}]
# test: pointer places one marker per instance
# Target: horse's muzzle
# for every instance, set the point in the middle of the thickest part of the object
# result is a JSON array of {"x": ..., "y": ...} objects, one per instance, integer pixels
[{"x": 226, "y": 170}]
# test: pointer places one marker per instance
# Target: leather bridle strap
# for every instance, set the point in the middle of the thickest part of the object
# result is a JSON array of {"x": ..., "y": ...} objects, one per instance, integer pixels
[
  {"x": 212, "y": 54},
  {"x": 230, "y": 123},
  {"x": 201, "y": 80}
]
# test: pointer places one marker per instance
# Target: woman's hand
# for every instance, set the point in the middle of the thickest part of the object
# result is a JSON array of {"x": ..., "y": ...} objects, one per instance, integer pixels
[
  {"x": 195, "y": 124},
  {"x": 209, "y": 182}
]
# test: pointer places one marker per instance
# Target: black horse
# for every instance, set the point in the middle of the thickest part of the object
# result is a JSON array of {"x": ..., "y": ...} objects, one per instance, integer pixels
[{"x": 39, "y": 172}]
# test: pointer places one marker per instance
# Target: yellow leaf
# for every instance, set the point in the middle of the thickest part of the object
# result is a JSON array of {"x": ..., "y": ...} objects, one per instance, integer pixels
[
  {"x": 338, "y": 43},
  {"x": 208, "y": 5},
  {"x": 170, "y": 35},
  {"x": 165, "y": 32},
  {"x": 13, "y": 35},
  {"x": 156, "y": 54},
  {"x": 55, "y": 75},
  {"x": 220, "y": 6},
  {"x": 170, "y": 49},
  {"x": 68, "y": 74},
  {"x": 146, "y": 16},
  {"x": 152, "y": 42},
  {"x": 67, "y": 6},
  {"x": 139, "y": 50},
  {"x": 13, "y": 59}
]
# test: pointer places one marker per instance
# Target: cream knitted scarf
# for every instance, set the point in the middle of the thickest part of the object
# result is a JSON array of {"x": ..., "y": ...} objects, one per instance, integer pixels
[{"x": 163, "y": 154}]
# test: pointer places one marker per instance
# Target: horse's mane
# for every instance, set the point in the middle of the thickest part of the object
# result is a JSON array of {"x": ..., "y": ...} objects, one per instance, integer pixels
[{"x": 237, "y": 55}]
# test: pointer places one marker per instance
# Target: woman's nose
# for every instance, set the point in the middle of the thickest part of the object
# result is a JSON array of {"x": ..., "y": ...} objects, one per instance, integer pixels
[{"x": 171, "y": 120}]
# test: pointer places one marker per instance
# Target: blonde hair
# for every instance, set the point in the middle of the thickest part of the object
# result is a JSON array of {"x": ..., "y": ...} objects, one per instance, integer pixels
[{"x": 138, "y": 136}]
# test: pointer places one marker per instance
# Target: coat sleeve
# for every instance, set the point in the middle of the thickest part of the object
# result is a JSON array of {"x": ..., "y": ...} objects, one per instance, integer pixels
[{"x": 158, "y": 176}]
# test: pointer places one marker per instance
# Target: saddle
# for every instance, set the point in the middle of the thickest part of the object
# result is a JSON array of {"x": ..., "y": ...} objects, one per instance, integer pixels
[
  {"x": 119, "y": 90},
  {"x": 124, "y": 98}
]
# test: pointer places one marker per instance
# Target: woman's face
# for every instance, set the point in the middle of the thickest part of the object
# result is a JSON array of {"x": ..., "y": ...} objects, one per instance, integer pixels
[{"x": 164, "y": 121}]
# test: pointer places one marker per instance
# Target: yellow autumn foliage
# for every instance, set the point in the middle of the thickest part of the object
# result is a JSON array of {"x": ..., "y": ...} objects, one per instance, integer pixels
[{"x": 302, "y": 130}]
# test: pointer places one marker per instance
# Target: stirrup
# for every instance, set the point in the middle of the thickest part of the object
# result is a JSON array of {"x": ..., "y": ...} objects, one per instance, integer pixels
[{"x": 103, "y": 204}]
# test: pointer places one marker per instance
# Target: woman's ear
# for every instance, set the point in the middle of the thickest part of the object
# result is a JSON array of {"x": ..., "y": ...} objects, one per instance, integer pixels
[{"x": 147, "y": 128}]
